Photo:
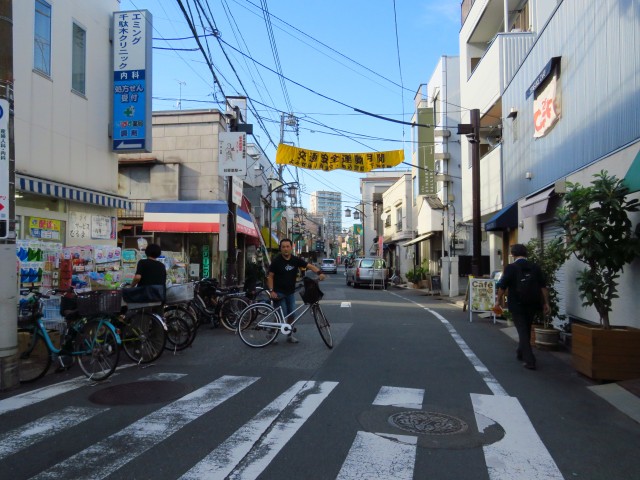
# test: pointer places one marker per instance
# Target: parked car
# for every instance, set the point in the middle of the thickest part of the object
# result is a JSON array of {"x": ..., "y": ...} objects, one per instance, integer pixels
[
  {"x": 368, "y": 270},
  {"x": 328, "y": 265}
]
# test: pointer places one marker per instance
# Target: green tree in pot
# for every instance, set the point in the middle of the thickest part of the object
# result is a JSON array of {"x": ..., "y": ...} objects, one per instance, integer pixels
[
  {"x": 549, "y": 257},
  {"x": 599, "y": 233}
]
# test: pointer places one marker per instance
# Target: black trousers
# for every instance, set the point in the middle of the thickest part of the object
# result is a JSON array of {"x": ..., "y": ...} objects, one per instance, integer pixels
[{"x": 523, "y": 321}]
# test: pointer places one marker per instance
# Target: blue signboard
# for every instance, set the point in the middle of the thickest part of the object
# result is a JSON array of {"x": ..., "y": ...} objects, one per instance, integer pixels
[
  {"x": 131, "y": 120},
  {"x": 129, "y": 112}
]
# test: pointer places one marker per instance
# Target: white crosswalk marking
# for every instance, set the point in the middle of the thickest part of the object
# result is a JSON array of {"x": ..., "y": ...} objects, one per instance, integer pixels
[
  {"x": 400, "y": 397},
  {"x": 43, "y": 428},
  {"x": 521, "y": 453},
  {"x": 380, "y": 456},
  {"x": 250, "y": 449},
  {"x": 105, "y": 457}
]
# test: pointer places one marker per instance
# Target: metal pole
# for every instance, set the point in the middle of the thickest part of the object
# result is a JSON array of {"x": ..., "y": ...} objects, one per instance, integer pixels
[
  {"x": 8, "y": 280},
  {"x": 475, "y": 186}
]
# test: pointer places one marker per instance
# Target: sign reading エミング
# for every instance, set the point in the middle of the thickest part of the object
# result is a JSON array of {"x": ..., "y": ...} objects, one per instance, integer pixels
[{"x": 132, "y": 81}]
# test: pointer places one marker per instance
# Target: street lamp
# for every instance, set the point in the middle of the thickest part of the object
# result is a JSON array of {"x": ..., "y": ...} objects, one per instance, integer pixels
[{"x": 356, "y": 216}]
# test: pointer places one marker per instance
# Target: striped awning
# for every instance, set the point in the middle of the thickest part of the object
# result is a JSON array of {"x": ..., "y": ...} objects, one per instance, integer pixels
[
  {"x": 186, "y": 216},
  {"x": 245, "y": 225},
  {"x": 26, "y": 183}
]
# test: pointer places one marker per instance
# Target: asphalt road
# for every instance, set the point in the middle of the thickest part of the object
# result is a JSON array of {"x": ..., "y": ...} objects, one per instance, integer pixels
[{"x": 411, "y": 389}]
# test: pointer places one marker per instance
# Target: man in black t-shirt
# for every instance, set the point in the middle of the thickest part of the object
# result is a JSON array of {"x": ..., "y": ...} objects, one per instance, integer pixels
[
  {"x": 523, "y": 310},
  {"x": 281, "y": 280},
  {"x": 150, "y": 271}
]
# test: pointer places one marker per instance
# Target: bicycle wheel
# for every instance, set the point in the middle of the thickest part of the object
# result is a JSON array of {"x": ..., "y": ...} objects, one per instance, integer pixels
[
  {"x": 178, "y": 330},
  {"x": 34, "y": 358},
  {"x": 262, "y": 296},
  {"x": 97, "y": 350},
  {"x": 250, "y": 328},
  {"x": 230, "y": 310},
  {"x": 186, "y": 313},
  {"x": 323, "y": 325},
  {"x": 144, "y": 337}
]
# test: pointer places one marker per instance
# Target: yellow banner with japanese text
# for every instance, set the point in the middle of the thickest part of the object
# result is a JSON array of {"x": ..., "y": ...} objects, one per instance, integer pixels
[{"x": 354, "y": 162}]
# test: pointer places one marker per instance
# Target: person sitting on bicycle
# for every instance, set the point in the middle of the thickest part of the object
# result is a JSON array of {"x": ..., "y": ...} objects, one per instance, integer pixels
[
  {"x": 281, "y": 280},
  {"x": 150, "y": 271}
]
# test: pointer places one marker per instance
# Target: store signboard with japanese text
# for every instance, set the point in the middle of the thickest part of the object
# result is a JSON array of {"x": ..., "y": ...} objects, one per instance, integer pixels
[
  {"x": 232, "y": 154},
  {"x": 4, "y": 168},
  {"x": 132, "y": 91},
  {"x": 44, "y": 229},
  {"x": 236, "y": 192}
]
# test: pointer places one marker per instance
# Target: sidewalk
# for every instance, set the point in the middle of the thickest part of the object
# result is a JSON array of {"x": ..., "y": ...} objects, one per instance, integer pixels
[{"x": 624, "y": 395}]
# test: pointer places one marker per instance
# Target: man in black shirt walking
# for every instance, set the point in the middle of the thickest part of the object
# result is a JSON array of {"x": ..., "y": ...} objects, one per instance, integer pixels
[
  {"x": 281, "y": 279},
  {"x": 527, "y": 295}
]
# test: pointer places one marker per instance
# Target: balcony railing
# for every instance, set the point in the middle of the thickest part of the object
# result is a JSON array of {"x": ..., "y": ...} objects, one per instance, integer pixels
[{"x": 137, "y": 210}]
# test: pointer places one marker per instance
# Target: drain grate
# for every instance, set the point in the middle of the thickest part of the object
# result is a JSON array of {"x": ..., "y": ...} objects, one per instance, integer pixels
[{"x": 428, "y": 423}]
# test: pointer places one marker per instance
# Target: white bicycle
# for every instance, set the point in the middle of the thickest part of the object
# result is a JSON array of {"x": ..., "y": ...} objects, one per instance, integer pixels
[{"x": 260, "y": 323}]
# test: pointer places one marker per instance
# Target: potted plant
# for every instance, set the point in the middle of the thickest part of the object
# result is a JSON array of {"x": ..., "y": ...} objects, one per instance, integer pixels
[
  {"x": 549, "y": 257},
  {"x": 599, "y": 233},
  {"x": 416, "y": 276}
]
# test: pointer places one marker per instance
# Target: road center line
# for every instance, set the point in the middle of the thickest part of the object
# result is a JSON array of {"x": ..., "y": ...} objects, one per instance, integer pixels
[{"x": 480, "y": 367}]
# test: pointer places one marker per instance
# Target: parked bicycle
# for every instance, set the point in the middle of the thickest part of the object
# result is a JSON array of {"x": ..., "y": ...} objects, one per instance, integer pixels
[
  {"x": 144, "y": 331},
  {"x": 260, "y": 323},
  {"x": 217, "y": 306},
  {"x": 89, "y": 337}
]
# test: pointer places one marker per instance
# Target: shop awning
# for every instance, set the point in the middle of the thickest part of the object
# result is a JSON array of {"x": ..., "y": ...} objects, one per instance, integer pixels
[
  {"x": 245, "y": 225},
  {"x": 186, "y": 216},
  {"x": 40, "y": 186},
  {"x": 507, "y": 218},
  {"x": 419, "y": 239},
  {"x": 632, "y": 178},
  {"x": 537, "y": 204},
  {"x": 270, "y": 238}
]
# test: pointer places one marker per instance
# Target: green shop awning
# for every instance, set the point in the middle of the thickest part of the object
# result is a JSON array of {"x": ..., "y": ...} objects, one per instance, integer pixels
[{"x": 632, "y": 178}]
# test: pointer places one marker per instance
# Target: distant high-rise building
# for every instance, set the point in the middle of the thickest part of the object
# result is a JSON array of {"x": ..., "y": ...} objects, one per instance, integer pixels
[{"x": 328, "y": 205}]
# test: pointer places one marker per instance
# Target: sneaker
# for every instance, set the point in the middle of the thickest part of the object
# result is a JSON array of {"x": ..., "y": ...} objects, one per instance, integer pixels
[{"x": 292, "y": 339}]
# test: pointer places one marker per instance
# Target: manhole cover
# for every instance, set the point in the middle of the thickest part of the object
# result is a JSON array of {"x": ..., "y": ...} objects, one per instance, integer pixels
[
  {"x": 428, "y": 423},
  {"x": 140, "y": 393}
]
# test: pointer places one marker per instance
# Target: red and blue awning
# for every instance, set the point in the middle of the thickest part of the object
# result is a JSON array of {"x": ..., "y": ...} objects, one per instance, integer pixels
[
  {"x": 245, "y": 225},
  {"x": 193, "y": 216},
  {"x": 187, "y": 216}
]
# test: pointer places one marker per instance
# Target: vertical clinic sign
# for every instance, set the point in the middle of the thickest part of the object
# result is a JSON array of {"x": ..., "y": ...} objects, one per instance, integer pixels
[
  {"x": 4, "y": 168},
  {"x": 132, "y": 81}
]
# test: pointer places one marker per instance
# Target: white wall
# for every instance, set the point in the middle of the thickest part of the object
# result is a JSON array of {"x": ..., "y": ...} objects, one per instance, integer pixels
[{"x": 61, "y": 135}]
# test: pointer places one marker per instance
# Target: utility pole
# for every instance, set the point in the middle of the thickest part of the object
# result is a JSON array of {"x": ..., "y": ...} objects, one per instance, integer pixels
[
  {"x": 8, "y": 279},
  {"x": 476, "y": 259},
  {"x": 472, "y": 131},
  {"x": 231, "y": 213}
]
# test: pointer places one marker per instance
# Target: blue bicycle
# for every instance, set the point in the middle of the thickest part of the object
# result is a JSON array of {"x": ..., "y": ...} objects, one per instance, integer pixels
[{"x": 91, "y": 339}]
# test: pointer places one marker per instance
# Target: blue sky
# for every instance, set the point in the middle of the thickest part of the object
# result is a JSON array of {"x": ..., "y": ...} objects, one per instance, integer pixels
[{"x": 345, "y": 51}]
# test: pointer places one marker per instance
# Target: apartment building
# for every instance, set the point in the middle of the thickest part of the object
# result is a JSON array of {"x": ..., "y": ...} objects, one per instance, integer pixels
[{"x": 560, "y": 80}]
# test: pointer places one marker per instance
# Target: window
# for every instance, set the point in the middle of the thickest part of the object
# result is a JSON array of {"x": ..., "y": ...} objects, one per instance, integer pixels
[
  {"x": 78, "y": 60},
  {"x": 399, "y": 219},
  {"x": 42, "y": 38}
]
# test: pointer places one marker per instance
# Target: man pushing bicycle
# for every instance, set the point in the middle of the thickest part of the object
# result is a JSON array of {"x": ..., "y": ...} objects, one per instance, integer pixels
[{"x": 281, "y": 279}]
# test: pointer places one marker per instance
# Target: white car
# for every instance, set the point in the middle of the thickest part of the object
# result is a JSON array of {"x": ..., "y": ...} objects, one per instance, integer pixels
[{"x": 328, "y": 265}]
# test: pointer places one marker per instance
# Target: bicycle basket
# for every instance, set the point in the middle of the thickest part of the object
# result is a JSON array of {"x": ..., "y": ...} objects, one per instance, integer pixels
[
  {"x": 100, "y": 302},
  {"x": 26, "y": 312},
  {"x": 310, "y": 292}
]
